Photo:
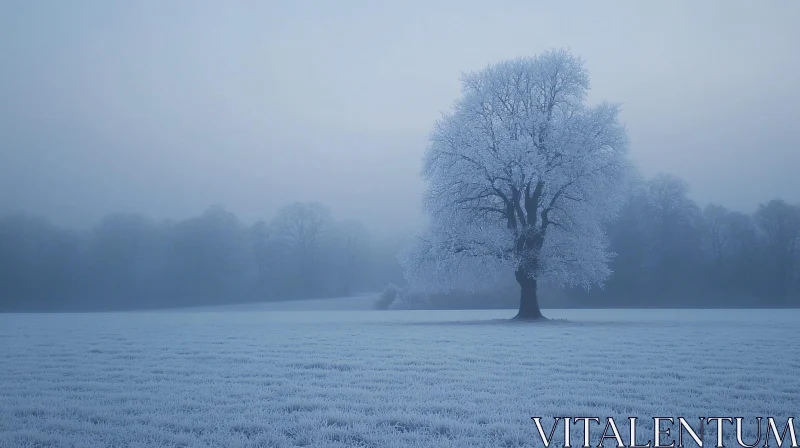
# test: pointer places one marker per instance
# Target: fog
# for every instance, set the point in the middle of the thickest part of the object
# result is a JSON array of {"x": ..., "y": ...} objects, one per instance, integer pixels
[
  {"x": 166, "y": 108},
  {"x": 158, "y": 134}
]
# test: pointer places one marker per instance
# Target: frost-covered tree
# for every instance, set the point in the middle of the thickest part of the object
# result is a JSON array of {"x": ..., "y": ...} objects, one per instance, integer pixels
[{"x": 521, "y": 176}]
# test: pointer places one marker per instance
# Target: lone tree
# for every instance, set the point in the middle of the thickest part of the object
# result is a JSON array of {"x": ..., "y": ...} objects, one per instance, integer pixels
[{"x": 522, "y": 175}]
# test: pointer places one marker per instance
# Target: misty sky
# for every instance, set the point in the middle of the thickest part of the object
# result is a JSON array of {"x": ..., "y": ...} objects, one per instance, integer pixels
[{"x": 167, "y": 107}]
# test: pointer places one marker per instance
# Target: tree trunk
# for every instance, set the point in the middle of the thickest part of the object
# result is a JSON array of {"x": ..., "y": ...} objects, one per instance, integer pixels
[{"x": 528, "y": 300}]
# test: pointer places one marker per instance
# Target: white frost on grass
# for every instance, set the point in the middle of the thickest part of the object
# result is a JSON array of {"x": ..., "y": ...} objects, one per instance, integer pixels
[{"x": 379, "y": 379}]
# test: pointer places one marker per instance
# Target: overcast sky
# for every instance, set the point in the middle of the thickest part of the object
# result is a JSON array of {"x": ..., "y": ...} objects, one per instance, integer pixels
[{"x": 165, "y": 107}]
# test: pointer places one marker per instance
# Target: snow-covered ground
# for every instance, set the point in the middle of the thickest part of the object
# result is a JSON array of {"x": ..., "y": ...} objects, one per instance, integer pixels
[{"x": 379, "y": 378}]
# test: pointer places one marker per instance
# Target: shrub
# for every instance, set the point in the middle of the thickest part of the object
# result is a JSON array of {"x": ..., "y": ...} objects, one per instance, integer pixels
[
  {"x": 388, "y": 296},
  {"x": 410, "y": 301}
]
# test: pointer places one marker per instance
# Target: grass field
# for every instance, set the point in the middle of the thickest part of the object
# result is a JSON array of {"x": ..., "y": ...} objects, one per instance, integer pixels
[{"x": 268, "y": 378}]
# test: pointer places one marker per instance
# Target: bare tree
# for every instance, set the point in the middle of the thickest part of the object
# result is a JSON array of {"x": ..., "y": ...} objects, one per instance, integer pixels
[{"x": 301, "y": 228}]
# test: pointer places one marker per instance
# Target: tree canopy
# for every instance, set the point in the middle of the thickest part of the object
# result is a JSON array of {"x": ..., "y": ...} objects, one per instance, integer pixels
[{"x": 522, "y": 175}]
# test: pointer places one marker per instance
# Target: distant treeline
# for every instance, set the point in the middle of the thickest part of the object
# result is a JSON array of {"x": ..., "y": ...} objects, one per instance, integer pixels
[
  {"x": 670, "y": 252},
  {"x": 130, "y": 262}
]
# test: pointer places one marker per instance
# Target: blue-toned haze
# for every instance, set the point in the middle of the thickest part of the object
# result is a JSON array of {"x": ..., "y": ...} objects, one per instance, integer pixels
[{"x": 165, "y": 108}]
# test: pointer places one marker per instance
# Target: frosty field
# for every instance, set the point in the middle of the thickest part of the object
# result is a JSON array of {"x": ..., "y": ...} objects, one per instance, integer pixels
[{"x": 267, "y": 378}]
